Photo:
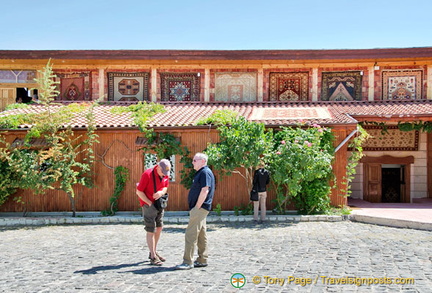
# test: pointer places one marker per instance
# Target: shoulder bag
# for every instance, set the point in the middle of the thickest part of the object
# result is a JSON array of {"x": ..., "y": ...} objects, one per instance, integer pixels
[{"x": 162, "y": 202}]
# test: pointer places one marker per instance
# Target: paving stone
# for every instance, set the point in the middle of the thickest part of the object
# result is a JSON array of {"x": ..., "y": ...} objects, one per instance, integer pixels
[{"x": 113, "y": 258}]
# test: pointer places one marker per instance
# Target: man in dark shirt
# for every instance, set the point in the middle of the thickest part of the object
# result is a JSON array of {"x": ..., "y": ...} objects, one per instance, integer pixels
[{"x": 200, "y": 203}]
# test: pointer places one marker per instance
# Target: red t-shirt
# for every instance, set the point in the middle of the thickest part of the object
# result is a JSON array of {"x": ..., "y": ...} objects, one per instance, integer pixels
[{"x": 146, "y": 184}]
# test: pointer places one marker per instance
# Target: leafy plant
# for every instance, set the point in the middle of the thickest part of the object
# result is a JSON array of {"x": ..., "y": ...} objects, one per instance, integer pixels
[
  {"x": 301, "y": 167},
  {"x": 121, "y": 177},
  {"x": 218, "y": 209},
  {"x": 142, "y": 113},
  {"x": 64, "y": 160},
  {"x": 242, "y": 144}
]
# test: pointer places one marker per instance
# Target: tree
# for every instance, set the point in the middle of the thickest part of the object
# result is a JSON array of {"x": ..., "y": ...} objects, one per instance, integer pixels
[
  {"x": 242, "y": 144},
  {"x": 63, "y": 160},
  {"x": 301, "y": 167}
]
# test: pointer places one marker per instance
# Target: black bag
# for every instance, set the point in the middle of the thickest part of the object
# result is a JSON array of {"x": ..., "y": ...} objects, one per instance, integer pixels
[
  {"x": 162, "y": 202},
  {"x": 254, "y": 195}
]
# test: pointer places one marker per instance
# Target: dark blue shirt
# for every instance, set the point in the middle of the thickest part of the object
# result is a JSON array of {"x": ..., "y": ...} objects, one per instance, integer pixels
[{"x": 203, "y": 177}]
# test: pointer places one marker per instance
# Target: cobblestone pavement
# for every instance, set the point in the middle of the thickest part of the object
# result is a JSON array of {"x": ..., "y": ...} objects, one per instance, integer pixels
[{"x": 273, "y": 257}]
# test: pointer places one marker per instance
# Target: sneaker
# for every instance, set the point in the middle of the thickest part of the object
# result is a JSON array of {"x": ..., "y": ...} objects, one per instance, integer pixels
[
  {"x": 184, "y": 266},
  {"x": 198, "y": 264}
]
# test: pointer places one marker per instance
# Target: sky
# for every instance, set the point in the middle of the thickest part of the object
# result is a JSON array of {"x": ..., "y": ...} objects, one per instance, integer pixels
[{"x": 214, "y": 24}]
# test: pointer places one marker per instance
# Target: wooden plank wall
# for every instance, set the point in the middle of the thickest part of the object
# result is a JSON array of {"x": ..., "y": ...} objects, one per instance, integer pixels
[
  {"x": 118, "y": 148},
  {"x": 337, "y": 197}
]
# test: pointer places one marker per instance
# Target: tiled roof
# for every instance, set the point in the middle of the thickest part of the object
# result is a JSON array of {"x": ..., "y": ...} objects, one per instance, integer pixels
[
  {"x": 186, "y": 114},
  {"x": 337, "y": 54}
]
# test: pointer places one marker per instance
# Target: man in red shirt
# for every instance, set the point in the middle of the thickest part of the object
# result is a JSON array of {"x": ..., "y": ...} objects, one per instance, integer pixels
[{"x": 147, "y": 193}]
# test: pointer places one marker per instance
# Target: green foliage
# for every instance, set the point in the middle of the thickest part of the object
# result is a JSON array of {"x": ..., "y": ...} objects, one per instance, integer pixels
[
  {"x": 241, "y": 145},
  {"x": 425, "y": 126},
  {"x": 355, "y": 156},
  {"x": 244, "y": 210},
  {"x": 16, "y": 106},
  {"x": 188, "y": 172},
  {"x": 64, "y": 160},
  {"x": 219, "y": 117},
  {"x": 121, "y": 177},
  {"x": 47, "y": 85},
  {"x": 8, "y": 178},
  {"x": 142, "y": 113},
  {"x": 165, "y": 145},
  {"x": 301, "y": 167},
  {"x": 218, "y": 209}
]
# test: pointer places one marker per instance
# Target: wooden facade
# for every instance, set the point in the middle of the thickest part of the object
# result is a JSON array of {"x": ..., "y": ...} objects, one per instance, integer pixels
[{"x": 117, "y": 144}]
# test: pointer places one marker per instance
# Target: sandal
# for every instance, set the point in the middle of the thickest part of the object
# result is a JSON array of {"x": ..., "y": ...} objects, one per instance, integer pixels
[
  {"x": 162, "y": 259},
  {"x": 155, "y": 261}
]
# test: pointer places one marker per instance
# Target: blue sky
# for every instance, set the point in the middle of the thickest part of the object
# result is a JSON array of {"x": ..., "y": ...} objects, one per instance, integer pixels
[{"x": 214, "y": 24}]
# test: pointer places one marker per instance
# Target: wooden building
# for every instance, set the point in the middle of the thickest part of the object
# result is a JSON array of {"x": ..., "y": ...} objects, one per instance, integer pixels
[{"x": 335, "y": 88}]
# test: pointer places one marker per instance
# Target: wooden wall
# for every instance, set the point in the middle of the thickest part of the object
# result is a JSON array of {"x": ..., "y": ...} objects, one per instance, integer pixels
[{"x": 117, "y": 147}]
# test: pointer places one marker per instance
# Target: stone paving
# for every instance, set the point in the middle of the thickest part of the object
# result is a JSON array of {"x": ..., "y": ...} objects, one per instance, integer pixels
[{"x": 272, "y": 257}]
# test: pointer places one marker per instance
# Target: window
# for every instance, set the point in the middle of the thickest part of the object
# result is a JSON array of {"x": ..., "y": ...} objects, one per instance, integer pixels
[{"x": 151, "y": 159}]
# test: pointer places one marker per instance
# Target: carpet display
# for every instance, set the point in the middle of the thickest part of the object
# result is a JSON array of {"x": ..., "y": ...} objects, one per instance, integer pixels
[
  {"x": 391, "y": 140},
  {"x": 341, "y": 86},
  {"x": 236, "y": 87},
  {"x": 74, "y": 86},
  {"x": 402, "y": 85},
  {"x": 17, "y": 76},
  {"x": 180, "y": 87},
  {"x": 128, "y": 86},
  {"x": 292, "y": 86}
]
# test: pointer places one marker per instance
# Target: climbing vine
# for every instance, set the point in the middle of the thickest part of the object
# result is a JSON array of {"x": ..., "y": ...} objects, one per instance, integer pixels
[
  {"x": 121, "y": 177},
  {"x": 356, "y": 154}
]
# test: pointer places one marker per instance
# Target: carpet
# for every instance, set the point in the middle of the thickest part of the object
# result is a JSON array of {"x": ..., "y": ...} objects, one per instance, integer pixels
[
  {"x": 402, "y": 85},
  {"x": 74, "y": 86},
  {"x": 341, "y": 86},
  {"x": 236, "y": 87},
  {"x": 291, "y": 86},
  {"x": 128, "y": 86},
  {"x": 392, "y": 140},
  {"x": 180, "y": 87}
]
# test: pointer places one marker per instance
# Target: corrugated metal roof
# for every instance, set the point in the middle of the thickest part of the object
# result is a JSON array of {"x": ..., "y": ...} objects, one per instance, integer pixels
[{"x": 186, "y": 114}]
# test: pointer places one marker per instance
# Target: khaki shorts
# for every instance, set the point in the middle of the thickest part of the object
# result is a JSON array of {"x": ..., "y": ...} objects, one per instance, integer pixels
[{"x": 152, "y": 218}]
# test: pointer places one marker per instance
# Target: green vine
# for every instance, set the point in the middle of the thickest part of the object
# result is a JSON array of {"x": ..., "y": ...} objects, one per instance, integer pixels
[
  {"x": 165, "y": 145},
  {"x": 356, "y": 155},
  {"x": 425, "y": 126},
  {"x": 121, "y": 176},
  {"x": 142, "y": 113}
]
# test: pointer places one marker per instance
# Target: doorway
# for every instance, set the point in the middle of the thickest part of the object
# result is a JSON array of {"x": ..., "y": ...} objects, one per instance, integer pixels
[
  {"x": 392, "y": 181},
  {"x": 387, "y": 179}
]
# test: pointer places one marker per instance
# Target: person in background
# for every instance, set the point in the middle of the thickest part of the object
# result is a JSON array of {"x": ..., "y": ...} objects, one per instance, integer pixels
[
  {"x": 260, "y": 181},
  {"x": 200, "y": 200},
  {"x": 153, "y": 218}
]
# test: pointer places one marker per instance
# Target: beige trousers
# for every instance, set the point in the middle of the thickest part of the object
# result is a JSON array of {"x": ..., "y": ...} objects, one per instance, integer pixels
[
  {"x": 196, "y": 234},
  {"x": 261, "y": 203}
]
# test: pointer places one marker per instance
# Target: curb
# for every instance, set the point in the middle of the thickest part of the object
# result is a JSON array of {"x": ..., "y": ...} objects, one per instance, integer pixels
[
  {"x": 398, "y": 223},
  {"x": 11, "y": 221}
]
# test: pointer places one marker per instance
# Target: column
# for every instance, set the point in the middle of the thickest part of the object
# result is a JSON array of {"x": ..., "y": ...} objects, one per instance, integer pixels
[
  {"x": 101, "y": 80},
  {"x": 371, "y": 83},
  {"x": 260, "y": 82},
  {"x": 153, "y": 85},
  {"x": 207, "y": 85},
  {"x": 315, "y": 84}
]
